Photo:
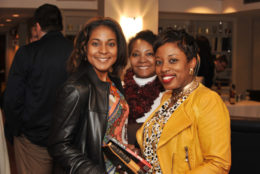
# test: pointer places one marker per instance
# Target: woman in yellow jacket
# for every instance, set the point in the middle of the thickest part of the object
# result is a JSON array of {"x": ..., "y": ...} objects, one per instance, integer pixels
[{"x": 190, "y": 131}]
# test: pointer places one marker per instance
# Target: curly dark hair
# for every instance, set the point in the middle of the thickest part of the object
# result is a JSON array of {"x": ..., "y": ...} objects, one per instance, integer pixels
[
  {"x": 146, "y": 35},
  {"x": 79, "y": 52},
  {"x": 184, "y": 41}
]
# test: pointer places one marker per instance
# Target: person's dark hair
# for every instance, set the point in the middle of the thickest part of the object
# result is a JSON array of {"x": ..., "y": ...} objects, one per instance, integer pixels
[
  {"x": 222, "y": 58},
  {"x": 206, "y": 69},
  {"x": 79, "y": 52},
  {"x": 184, "y": 41},
  {"x": 203, "y": 43},
  {"x": 49, "y": 17},
  {"x": 145, "y": 35}
]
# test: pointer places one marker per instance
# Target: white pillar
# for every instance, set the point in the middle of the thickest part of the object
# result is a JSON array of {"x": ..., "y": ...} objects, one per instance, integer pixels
[{"x": 135, "y": 10}]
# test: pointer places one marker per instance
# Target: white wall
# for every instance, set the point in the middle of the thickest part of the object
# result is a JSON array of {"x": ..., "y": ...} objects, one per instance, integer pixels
[
  {"x": 61, "y": 4},
  {"x": 188, "y": 6},
  {"x": 238, "y": 5},
  {"x": 191, "y": 6},
  {"x": 246, "y": 58},
  {"x": 206, "y": 6},
  {"x": 74, "y": 20},
  {"x": 256, "y": 54},
  {"x": 147, "y": 9},
  {"x": 242, "y": 59}
]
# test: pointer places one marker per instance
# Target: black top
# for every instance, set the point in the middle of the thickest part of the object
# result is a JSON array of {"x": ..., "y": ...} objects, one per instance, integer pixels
[
  {"x": 80, "y": 123},
  {"x": 38, "y": 69}
]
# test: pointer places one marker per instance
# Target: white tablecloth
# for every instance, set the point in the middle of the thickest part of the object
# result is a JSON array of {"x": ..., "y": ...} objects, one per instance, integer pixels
[
  {"x": 4, "y": 159},
  {"x": 245, "y": 108}
]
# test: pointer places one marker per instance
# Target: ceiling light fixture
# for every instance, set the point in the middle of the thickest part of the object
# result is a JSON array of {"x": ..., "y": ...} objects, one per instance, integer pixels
[
  {"x": 8, "y": 20},
  {"x": 131, "y": 25},
  {"x": 16, "y": 15}
]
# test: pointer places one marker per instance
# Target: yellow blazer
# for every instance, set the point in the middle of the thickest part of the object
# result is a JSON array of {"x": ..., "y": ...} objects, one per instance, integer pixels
[{"x": 196, "y": 138}]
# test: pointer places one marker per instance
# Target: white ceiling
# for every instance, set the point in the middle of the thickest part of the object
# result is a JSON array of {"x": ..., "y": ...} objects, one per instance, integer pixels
[{"x": 26, "y": 14}]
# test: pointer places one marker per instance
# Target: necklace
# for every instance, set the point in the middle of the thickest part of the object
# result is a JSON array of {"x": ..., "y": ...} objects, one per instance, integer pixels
[
  {"x": 177, "y": 94},
  {"x": 140, "y": 98}
]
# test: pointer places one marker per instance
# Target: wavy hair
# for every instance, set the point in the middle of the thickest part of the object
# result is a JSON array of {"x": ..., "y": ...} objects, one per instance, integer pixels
[{"x": 79, "y": 52}]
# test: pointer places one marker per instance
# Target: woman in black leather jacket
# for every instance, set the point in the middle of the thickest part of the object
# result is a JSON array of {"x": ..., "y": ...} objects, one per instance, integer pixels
[{"x": 90, "y": 106}]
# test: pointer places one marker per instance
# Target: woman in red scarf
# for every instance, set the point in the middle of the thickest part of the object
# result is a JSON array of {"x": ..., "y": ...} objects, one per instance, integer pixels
[{"x": 141, "y": 85}]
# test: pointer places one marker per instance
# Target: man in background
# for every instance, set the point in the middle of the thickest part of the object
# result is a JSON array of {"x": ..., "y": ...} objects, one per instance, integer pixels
[
  {"x": 38, "y": 69},
  {"x": 221, "y": 63}
]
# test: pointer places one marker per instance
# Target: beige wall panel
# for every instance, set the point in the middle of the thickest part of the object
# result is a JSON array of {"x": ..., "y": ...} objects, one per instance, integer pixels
[{"x": 256, "y": 54}]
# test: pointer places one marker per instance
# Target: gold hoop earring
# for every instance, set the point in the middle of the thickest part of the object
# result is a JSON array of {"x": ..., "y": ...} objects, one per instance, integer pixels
[{"x": 191, "y": 71}]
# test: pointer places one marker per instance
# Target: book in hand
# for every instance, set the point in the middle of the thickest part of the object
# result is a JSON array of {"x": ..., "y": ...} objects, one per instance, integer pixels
[{"x": 121, "y": 155}]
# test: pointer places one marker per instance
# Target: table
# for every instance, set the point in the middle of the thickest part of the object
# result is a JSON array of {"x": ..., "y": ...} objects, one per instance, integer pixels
[{"x": 245, "y": 108}]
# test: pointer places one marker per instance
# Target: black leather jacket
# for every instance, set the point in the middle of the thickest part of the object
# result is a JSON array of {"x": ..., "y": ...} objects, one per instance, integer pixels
[{"x": 80, "y": 122}]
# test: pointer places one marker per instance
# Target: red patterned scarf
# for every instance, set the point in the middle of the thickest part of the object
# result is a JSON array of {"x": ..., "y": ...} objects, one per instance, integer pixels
[{"x": 140, "y": 99}]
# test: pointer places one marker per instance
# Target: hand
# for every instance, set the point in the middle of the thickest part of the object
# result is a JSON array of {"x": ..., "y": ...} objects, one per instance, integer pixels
[
  {"x": 134, "y": 149},
  {"x": 130, "y": 146}
]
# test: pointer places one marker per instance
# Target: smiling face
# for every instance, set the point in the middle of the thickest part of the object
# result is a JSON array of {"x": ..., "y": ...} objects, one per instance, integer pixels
[
  {"x": 172, "y": 66},
  {"x": 142, "y": 59},
  {"x": 102, "y": 50}
]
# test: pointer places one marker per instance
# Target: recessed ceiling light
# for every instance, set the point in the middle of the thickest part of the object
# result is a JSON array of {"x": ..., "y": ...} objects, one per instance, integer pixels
[
  {"x": 15, "y": 15},
  {"x": 1, "y": 25},
  {"x": 8, "y": 20}
]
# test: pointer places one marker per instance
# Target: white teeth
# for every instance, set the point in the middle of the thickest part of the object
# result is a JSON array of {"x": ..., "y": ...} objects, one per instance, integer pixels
[
  {"x": 167, "y": 77},
  {"x": 103, "y": 59},
  {"x": 143, "y": 67}
]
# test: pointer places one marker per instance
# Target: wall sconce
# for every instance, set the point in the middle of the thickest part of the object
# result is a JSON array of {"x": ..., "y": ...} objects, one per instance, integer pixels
[{"x": 131, "y": 26}]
